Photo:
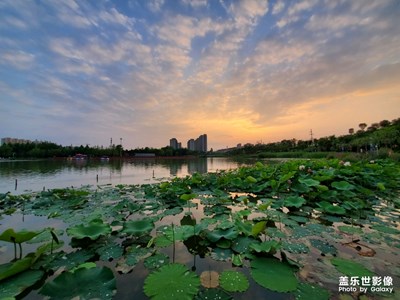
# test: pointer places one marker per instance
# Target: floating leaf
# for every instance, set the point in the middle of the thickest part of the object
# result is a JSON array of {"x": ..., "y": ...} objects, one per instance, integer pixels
[
  {"x": 217, "y": 234},
  {"x": 294, "y": 201},
  {"x": 273, "y": 274},
  {"x": 342, "y": 185},
  {"x": 93, "y": 230},
  {"x": 233, "y": 281},
  {"x": 209, "y": 279},
  {"x": 15, "y": 285},
  {"x": 138, "y": 227},
  {"x": 324, "y": 247},
  {"x": 309, "y": 182},
  {"x": 350, "y": 229},
  {"x": 295, "y": 247},
  {"x": 207, "y": 294},
  {"x": 307, "y": 291},
  {"x": 350, "y": 268},
  {"x": 12, "y": 268},
  {"x": 173, "y": 281},
  {"x": 221, "y": 254},
  {"x": 156, "y": 261},
  {"x": 268, "y": 247},
  {"x": 385, "y": 229},
  {"x": 83, "y": 283},
  {"x": 19, "y": 237}
]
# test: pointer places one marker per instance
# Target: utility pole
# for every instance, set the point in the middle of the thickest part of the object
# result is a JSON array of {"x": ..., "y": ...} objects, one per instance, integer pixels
[{"x": 312, "y": 137}]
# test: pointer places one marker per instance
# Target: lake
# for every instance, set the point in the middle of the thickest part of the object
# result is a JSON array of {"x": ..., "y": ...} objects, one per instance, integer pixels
[{"x": 22, "y": 176}]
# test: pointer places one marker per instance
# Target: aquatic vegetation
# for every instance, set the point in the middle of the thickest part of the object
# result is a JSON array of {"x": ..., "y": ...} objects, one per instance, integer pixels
[{"x": 275, "y": 226}]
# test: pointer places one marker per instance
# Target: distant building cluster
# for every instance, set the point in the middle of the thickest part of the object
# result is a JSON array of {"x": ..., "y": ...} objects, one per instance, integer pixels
[
  {"x": 199, "y": 144},
  {"x": 9, "y": 140}
]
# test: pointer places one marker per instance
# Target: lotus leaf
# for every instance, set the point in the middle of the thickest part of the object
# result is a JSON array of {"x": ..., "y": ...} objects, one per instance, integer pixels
[
  {"x": 15, "y": 285},
  {"x": 309, "y": 182},
  {"x": 83, "y": 283},
  {"x": 385, "y": 229},
  {"x": 307, "y": 291},
  {"x": 242, "y": 243},
  {"x": 12, "y": 268},
  {"x": 93, "y": 230},
  {"x": 350, "y": 268},
  {"x": 273, "y": 274},
  {"x": 233, "y": 281},
  {"x": 173, "y": 281},
  {"x": 342, "y": 185},
  {"x": 294, "y": 201},
  {"x": 350, "y": 229},
  {"x": 207, "y": 294},
  {"x": 295, "y": 247},
  {"x": 269, "y": 247},
  {"x": 332, "y": 209},
  {"x": 138, "y": 227},
  {"x": 217, "y": 234},
  {"x": 221, "y": 254},
  {"x": 19, "y": 237},
  {"x": 324, "y": 247},
  {"x": 258, "y": 228},
  {"x": 110, "y": 252},
  {"x": 156, "y": 261}
]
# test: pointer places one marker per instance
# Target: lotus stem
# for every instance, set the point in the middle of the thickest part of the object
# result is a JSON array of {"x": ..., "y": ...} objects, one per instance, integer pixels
[{"x": 20, "y": 250}]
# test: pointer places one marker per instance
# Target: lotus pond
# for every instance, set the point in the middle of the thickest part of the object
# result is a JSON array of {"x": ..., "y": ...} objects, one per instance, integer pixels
[{"x": 295, "y": 230}]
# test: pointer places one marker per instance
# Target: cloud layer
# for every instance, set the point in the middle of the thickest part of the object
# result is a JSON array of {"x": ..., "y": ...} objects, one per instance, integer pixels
[{"x": 78, "y": 72}]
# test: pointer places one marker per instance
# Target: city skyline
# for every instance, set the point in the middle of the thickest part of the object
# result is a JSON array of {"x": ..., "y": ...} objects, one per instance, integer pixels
[{"x": 78, "y": 73}]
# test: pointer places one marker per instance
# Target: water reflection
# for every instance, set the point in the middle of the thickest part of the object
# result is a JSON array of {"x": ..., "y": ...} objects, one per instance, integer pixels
[{"x": 35, "y": 175}]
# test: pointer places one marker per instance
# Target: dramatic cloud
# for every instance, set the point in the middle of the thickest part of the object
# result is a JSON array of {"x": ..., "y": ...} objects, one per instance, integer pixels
[{"x": 78, "y": 72}]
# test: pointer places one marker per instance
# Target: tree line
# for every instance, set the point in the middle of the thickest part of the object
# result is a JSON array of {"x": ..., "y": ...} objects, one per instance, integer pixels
[{"x": 385, "y": 134}]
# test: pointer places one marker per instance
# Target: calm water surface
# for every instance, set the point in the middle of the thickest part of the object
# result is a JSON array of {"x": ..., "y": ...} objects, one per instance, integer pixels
[{"x": 19, "y": 177}]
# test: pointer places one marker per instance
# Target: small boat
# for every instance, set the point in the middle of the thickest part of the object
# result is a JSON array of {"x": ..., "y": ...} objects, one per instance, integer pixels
[
  {"x": 104, "y": 158},
  {"x": 80, "y": 157}
]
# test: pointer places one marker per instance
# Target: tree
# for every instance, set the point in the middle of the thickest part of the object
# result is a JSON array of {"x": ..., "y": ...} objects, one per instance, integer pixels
[
  {"x": 362, "y": 126},
  {"x": 351, "y": 130}
]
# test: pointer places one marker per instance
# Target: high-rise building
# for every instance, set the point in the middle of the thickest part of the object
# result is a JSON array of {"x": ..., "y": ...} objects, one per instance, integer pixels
[
  {"x": 173, "y": 143},
  {"x": 190, "y": 145},
  {"x": 200, "y": 143}
]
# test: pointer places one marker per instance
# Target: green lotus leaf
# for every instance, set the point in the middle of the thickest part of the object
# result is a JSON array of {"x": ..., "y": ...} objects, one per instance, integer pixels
[
  {"x": 242, "y": 243},
  {"x": 15, "y": 285},
  {"x": 156, "y": 261},
  {"x": 324, "y": 247},
  {"x": 110, "y": 252},
  {"x": 213, "y": 293},
  {"x": 273, "y": 274},
  {"x": 233, "y": 281},
  {"x": 307, "y": 291},
  {"x": 294, "y": 201},
  {"x": 295, "y": 247},
  {"x": 332, "y": 209},
  {"x": 309, "y": 182},
  {"x": 350, "y": 268},
  {"x": 342, "y": 185},
  {"x": 188, "y": 197},
  {"x": 258, "y": 228},
  {"x": 138, "y": 227},
  {"x": 385, "y": 229},
  {"x": 269, "y": 247},
  {"x": 350, "y": 229},
  {"x": 173, "y": 281},
  {"x": 221, "y": 254},
  {"x": 12, "y": 268},
  {"x": 83, "y": 283},
  {"x": 251, "y": 179},
  {"x": 93, "y": 230},
  {"x": 19, "y": 237},
  {"x": 217, "y": 234}
]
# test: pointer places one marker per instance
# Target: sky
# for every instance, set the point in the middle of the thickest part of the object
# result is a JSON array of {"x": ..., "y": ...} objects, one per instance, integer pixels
[{"x": 83, "y": 72}]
